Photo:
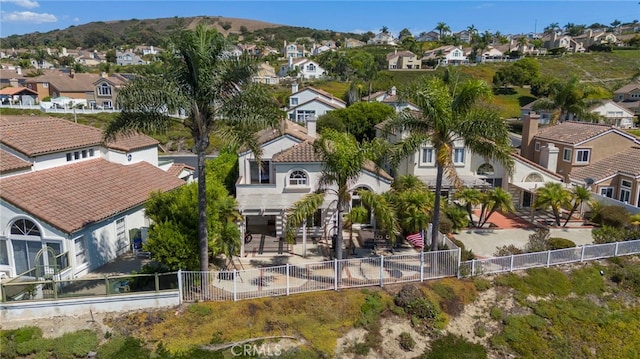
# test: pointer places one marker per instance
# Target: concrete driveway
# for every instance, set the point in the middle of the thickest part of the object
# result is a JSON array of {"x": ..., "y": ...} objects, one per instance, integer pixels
[{"x": 484, "y": 242}]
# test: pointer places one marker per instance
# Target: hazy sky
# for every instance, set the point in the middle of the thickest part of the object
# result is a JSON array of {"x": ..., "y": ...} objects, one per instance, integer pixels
[{"x": 508, "y": 17}]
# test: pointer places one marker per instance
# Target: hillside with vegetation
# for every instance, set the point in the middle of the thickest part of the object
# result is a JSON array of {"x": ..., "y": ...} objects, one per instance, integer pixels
[{"x": 575, "y": 311}]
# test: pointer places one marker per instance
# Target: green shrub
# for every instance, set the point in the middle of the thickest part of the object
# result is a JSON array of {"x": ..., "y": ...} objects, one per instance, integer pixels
[
  {"x": 607, "y": 234},
  {"x": 465, "y": 254},
  {"x": 505, "y": 251},
  {"x": 480, "y": 330},
  {"x": 560, "y": 243},
  {"x": 587, "y": 280},
  {"x": 371, "y": 309},
  {"x": 200, "y": 310},
  {"x": 496, "y": 313},
  {"x": 76, "y": 344},
  {"x": 453, "y": 346},
  {"x": 406, "y": 341},
  {"x": 538, "y": 241},
  {"x": 481, "y": 284},
  {"x": 613, "y": 216},
  {"x": 123, "y": 348}
]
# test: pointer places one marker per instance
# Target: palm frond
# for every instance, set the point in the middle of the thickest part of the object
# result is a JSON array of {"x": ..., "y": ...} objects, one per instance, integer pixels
[{"x": 300, "y": 211}]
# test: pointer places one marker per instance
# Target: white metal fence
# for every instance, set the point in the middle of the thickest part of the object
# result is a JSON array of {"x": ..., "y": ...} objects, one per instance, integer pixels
[
  {"x": 309, "y": 277},
  {"x": 548, "y": 258}
]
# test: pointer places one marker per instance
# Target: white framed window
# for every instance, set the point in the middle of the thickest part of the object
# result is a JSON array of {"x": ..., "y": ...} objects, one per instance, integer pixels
[
  {"x": 566, "y": 154},
  {"x": 606, "y": 192},
  {"x": 293, "y": 101},
  {"x": 625, "y": 183},
  {"x": 582, "y": 156},
  {"x": 298, "y": 178},
  {"x": 427, "y": 155},
  {"x": 458, "y": 156},
  {"x": 104, "y": 90},
  {"x": 537, "y": 146},
  {"x": 80, "y": 249},
  {"x": 302, "y": 115},
  {"x": 45, "y": 84},
  {"x": 625, "y": 195},
  {"x": 4, "y": 252},
  {"x": 311, "y": 67},
  {"x": 121, "y": 235}
]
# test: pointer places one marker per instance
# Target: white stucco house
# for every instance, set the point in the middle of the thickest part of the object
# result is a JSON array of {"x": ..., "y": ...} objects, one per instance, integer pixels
[
  {"x": 311, "y": 102},
  {"x": 301, "y": 68},
  {"x": 474, "y": 170},
  {"x": 447, "y": 55},
  {"x": 290, "y": 170},
  {"x": 392, "y": 99},
  {"x": 69, "y": 202},
  {"x": 614, "y": 114}
]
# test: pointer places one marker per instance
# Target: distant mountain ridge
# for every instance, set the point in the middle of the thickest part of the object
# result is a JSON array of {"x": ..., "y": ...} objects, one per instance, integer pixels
[{"x": 133, "y": 31}]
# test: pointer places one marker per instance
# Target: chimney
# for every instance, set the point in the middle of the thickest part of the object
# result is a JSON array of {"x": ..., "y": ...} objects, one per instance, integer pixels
[
  {"x": 19, "y": 70},
  {"x": 393, "y": 91},
  {"x": 529, "y": 131},
  {"x": 13, "y": 82},
  {"x": 72, "y": 73},
  {"x": 549, "y": 157},
  {"x": 294, "y": 87},
  {"x": 104, "y": 75},
  {"x": 311, "y": 126}
]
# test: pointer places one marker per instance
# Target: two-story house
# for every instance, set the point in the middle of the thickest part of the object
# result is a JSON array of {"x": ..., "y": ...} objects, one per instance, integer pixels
[
  {"x": 382, "y": 38},
  {"x": 570, "y": 145},
  {"x": 629, "y": 97},
  {"x": 473, "y": 170},
  {"x": 294, "y": 51},
  {"x": 554, "y": 41},
  {"x": 301, "y": 68},
  {"x": 56, "y": 83},
  {"x": 311, "y": 102},
  {"x": 403, "y": 60},
  {"x": 613, "y": 114},
  {"x": 129, "y": 58},
  {"x": 616, "y": 176},
  {"x": 447, "y": 55},
  {"x": 289, "y": 170},
  {"x": 266, "y": 74},
  {"x": 392, "y": 99},
  {"x": 106, "y": 90},
  {"x": 69, "y": 201}
]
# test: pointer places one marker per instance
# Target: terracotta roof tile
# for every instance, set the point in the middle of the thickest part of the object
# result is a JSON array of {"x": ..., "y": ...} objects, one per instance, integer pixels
[
  {"x": 73, "y": 196},
  {"x": 38, "y": 135},
  {"x": 33, "y": 136},
  {"x": 15, "y": 90},
  {"x": 304, "y": 153},
  {"x": 286, "y": 127},
  {"x": 9, "y": 162},
  {"x": 80, "y": 82},
  {"x": 177, "y": 168},
  {"x": 572, "y": 132},
  {"x": 626, "y": 162}
]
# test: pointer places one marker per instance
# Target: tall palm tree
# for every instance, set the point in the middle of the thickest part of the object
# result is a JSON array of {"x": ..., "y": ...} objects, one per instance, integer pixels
[
  {"x": 552, "y": 195},
  {"x": 214, "y": 96},
  {"x": 442, "y": 29},
  {"x": 579, "y": 195},
  {"x": 342, "y": 161},
  {"x": 450, "y": 110},
  {"x": 569, "y": 99}
]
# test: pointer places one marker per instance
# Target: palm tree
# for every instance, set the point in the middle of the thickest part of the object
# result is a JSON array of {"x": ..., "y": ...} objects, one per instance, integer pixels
[
  {"x": 553, "y": 195},
  {"x": 214, "y": 95},
  {"x": 470, "y": 198},
  {"x": 442, "y": 29},
  {"x": 450, "y": 111},
  {"x": 569, "y": 99},
  {"x": 494, "y": 200},
  {"x": 579, "y": 196},
  {"x": 384, "y": 30},
  {"x": 342, "y": 161}
]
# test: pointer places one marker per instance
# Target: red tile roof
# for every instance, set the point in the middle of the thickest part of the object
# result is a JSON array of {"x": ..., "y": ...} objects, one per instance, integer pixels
[
  {"x": 625, "y": 162},
  {"x": 15, "y": 90},
  {"x": 177, "y": 168},
  {"x": 572, "y": 132},
  {"x": 34, "y": 135},
  {"x": 73, "y": 196},
  {"x": 9, "y": 162}
]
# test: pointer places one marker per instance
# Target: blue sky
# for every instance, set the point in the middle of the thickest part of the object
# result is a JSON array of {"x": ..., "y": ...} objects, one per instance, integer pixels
[{"x": 25, "y": 16}]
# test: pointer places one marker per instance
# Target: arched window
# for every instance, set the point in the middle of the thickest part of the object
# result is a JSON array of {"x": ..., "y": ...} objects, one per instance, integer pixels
[
  {"x": 534, "y": 177},
  {"x": 298, "y": 178},
  {"x": 104, "y": 90},
  {"x": 24, "y": 227},
  {"x": 486, "y": 169}
]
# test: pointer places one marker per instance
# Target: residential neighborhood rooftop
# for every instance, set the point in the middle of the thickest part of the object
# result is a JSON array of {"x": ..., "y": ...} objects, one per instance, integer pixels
[
  {"x": 625, "y": 162},
  {"x": 573, "y": 132},
  {"x": 86, "y": 192}
]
